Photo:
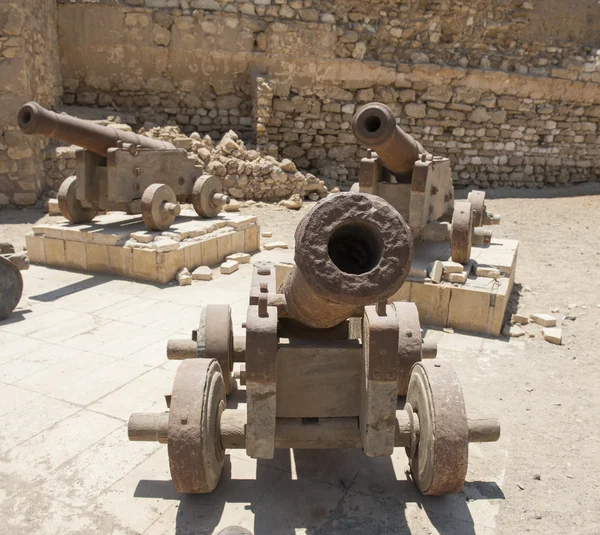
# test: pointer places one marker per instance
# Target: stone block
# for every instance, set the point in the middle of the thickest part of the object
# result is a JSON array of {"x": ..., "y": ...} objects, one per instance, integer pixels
[
  {"x": 55, "y": 252},
  {"x": 202, "y": 273},
  {"x": 469, "y": 309},
  {"x": 36, "y": 249},
  {"x": 433, "y": 302},
  {"x": 252, "y": 239},
  {"x": 238, "y": 241},
  {"x": 275, "y": 245},
  {"x": 545, "y": 320},
  {"x": 144, "y": 265},
  {"x": 435, "y": 271},
  {"x": 168, "y": 264},
  {"x": 487, "y": 271},
  {"x": 53, "y": 208},
  {"x": 282, "y": 270},
  {"x": 240, "y": 258},
  {"x": 209, "y": 251},
  {"x": 75, "y": 255},
  {"x": 451, "y": 267},
  {"x": 164, "y": 245},
  {"x": 229, "y": 266},
  {"x": 184, "y": 277},
  {"x": 224, "y": 246},
  {"x": 97, "y": 257},
  {"x": 552, "y": 335},
  {"x": 120, "y": 261},
  {"x": 513, "y": 331},
  {"x": 519, "y": 319}
]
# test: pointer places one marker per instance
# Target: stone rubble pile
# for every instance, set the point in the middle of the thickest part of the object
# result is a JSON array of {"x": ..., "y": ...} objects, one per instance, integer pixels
[{"x": 246, "y": 173}]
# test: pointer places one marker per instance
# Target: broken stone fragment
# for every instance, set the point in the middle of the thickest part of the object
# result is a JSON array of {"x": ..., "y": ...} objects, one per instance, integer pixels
[
  {"x": 513, "y": 331},
  {"x": 202, "y": 273},
  {"x": 519, "y": 319},
  {"x": 553, "y": 335},
  {"x": 240, "y": 258},
  {"x": 545, "y": 320},
  {"x": 184, "y": 277},
  {"x": 266, "y": 234},
  {"x": 436, "y": 270},
  {"x": 451, "y": 267},
  {"x": 229, "y": 266},
  {"x": 293, "y": 203},
  {"x": 275, "y": 245}
]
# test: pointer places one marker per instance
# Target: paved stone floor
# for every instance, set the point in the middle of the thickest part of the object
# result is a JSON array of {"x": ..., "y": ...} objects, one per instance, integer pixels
[{"x": 82, "y": 352}]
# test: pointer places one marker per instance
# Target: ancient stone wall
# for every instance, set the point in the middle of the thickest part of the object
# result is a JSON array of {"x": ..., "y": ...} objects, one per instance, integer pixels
[
  {"x": 509, "y": 90},
  {"x": 29, "y": 70}
]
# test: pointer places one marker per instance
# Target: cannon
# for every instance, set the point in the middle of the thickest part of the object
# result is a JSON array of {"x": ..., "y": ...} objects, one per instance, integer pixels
[
  {"x": 11, "y": 281},
  {"x": 120, "y": 170},
  {"x": 324, "y": 359},
  {"x": 418, "y": 184}
]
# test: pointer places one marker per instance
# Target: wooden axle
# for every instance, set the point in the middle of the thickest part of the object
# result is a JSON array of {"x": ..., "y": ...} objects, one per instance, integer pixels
[
  {"x": 301, "y": 433},
  {"x": 180, "y": 349}
]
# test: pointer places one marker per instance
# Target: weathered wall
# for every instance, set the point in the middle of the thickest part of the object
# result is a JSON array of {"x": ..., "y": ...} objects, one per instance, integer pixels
[
  {"x": 515, "y": 102},
  {"x": 29, "y": 70}
]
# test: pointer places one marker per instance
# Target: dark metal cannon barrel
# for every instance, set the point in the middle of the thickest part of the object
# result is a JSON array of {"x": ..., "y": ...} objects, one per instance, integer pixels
[
  {"x": 352, "y": 250},
  {"x": 35, "y": 119},
  {"x": 375, "y": 127}
]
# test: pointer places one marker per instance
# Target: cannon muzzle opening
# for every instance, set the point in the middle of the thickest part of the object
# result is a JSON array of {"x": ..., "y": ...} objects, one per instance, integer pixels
[
  {"x": 374, "y": 126},
  {"x": 352, "y": 250}
]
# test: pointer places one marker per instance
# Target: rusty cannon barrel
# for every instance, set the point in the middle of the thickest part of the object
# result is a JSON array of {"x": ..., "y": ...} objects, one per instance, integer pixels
[
  {"x": 375, "y": 127},
  {"x": 352, "y": 250},
  {"x": 35, "y": 119}
]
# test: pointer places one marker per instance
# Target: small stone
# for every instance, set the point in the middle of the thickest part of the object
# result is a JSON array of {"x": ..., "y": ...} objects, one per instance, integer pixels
[
  {"x": 571, "y": 307},
  {"x": 488, "y": 271},
  {"x": 293, "y": 203},
  {"x": 233, "y": 206},
  {"x": 457, "y": 278},
  {"x": 513, "y": 331},
  {"x": 143, "y": 236},
  {"x": 519, "y": 319},
  {"x": 202, "y": 273},
  {"x": 555, "y": 310},
  {"x": 229, "y": 266},
  {"x": 448, "y": 330},
  {"x": 435, "y": 271},
  {"x": 570, "y": 317},
  {"x": 545, "y": 320},
  {"x": 184, "y": 277},
  {"x": 553, "y": 335},
  {"x": 537, "y": 477},
  {"x": 240, "y": 258},
  {"x": 266, "y": 234},
  {"x": 314, "y": 196},
  {"x": 53, "y": 208},
  {"x": 451, "y": 267},
  {"x": 275, "y": 245}
]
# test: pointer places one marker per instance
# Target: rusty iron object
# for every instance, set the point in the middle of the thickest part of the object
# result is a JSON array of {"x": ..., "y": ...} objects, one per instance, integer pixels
[
  {"x": 416, "y": 183},
  {"x": 352, "y": 250},
  {"x": 120, "y": 170},
  {"x": 314, "y": 386},
  {"x": 11, "y": 281}
]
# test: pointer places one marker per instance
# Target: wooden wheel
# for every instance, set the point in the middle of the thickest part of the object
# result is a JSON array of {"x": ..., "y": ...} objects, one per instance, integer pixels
[
  {"x": 477, "y": 200},
  {"x": 215, "y": 339},
  {"x": 70, "y": 206},
  {"x": 207, "y": 196},
  {"x": 439, "y": 461},
  {"x": 159, "y": 207},
  {"x": 460, "y": 235},
  {"x": 409, "y": 342},
  {"x": 194, "y": 445},
  {"x": 11, "y": 287}
]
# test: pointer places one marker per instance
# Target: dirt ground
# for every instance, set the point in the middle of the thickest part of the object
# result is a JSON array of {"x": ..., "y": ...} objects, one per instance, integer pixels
[{"x": 547, "y": 397}]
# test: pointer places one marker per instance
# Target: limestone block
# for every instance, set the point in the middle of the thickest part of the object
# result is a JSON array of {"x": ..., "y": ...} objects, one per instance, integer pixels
[
  {"x": 545, "y": 320},
  {"x": 76, "y": 255},
  {"x": 433, "y": 302},
  {"x": 224, "y": 246},
  {"x": 275, "y": 245},
  {"x": 55, "y": 252},
  {"x": 202, "y": 273},
  {"x": 469, "y": 309},
  {"x": 164, "y": 245},
  {"x": 229, "y": 266},
  {"x": 144, "y": 264},
  {"x": 120, "y": 261},
  {"x": 209, "y": 251},
  {"x": 238, "y": 241},
  {"x": 435, "y": 271},
  {"x": 513, "y": 331},
  {"x": 97, "y": 257},
  {"x": 282, "y": 270},
  {"x": 266, "y": 234},
  {"x": 184, "y": 278},
  {"x": 519, "y": 319},
  {"x": 53, "y": 208},
  {"x": 487, "y": 271},
  {"x": 36, "y": 249},
  {"x": 451, "y": 267},
  {"x": 240, "y": 258},
  {"x": 552, "y": 335},
  {"x": 168, "y": 264},
  {"x": 251, "y": 239}
]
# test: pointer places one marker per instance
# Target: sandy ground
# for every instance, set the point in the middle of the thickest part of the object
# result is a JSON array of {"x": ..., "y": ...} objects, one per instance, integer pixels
[{"x": 542, "y": 477}]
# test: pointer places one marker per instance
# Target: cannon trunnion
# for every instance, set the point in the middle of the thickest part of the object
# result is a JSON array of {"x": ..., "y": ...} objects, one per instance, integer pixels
[
  {"x": 324, "y": 360},
  {"x": 119, "y": 170}
]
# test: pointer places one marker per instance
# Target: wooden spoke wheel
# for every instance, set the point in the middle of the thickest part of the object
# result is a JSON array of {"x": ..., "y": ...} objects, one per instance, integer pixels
[
  {"x": 70, "y": 206},
  {"x": 215, "y": 339},
  {"x": 477, "y": 200},
  {"x": 194, "y": 444},
  {"x": 460, "y": 235},
  {"x": 159, "y": 207},
  {"x": 11, "y": 287},
  {"x": 203, "y": 196},
  {"x": 409, "y": 344},
  {"x": 439, "y": 461}
]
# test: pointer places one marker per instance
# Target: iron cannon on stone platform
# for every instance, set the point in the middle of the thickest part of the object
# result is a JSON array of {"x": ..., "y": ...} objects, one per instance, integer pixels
[
  {"x": 418, "y": 184},
  {"x": 325, "y": 358},
  {"x": 120, "y": 170}
]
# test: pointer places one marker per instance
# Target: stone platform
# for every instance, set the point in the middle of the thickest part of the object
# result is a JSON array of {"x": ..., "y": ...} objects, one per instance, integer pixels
[
  {"x": 119, "y": 244},
  {"x": 478, "y": 305}
]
